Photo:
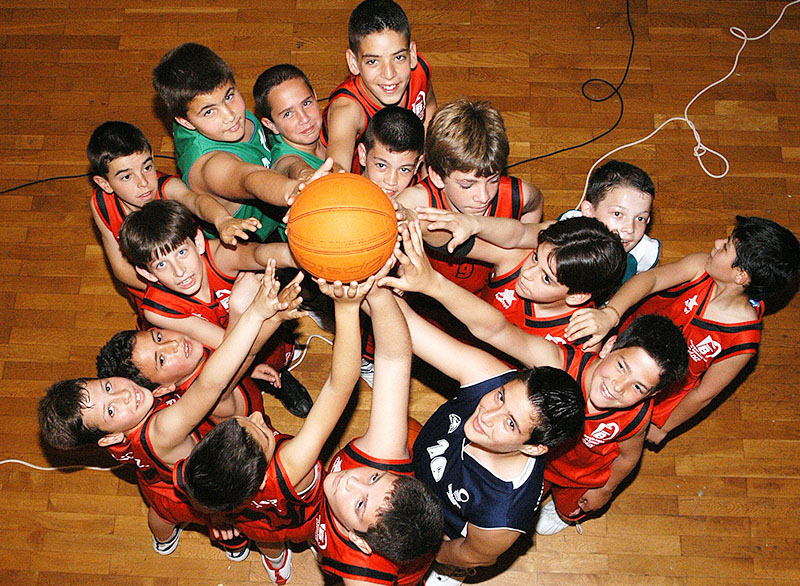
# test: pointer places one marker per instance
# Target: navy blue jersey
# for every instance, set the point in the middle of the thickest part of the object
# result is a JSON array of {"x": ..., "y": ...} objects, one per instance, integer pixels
[{"x": 469, "y": 492}]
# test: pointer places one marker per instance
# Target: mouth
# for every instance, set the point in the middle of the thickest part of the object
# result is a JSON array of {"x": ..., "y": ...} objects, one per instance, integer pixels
[
  {"x": 476, "y": 425},
  {"x": 146, "y": 195},
  {"x": 187, "y": 283},
  {"x": 235, "y": 127},
  {"x": 389, "y": 192},
  {"x": 137, "y": 397},
  {"x": 389, "y": 89},
  {"x": 187, "y": 348},
  {"x": 604, "y": 392}
]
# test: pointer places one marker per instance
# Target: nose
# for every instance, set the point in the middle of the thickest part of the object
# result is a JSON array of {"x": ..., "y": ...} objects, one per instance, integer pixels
[
  {"x": 141, "y": 180},
  {"x": 391, "y": 178},
  {"x": 171, "y": 345},
  {"x": 302, "y": 116},
  {"x": 389, "y": 70},
  {"x": 227, "y": 113},
  {"x": 483, "y": 195},
  {"x": 178, "y": 268}
]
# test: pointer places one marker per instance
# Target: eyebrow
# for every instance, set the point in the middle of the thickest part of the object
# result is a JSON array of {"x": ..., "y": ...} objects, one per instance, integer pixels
[
  {"x": 214, "y": 104},
  {"x": 365, "y": 55}
]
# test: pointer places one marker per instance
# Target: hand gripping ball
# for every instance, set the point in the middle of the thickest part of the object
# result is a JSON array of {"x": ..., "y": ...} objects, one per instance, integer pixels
[{"x": 342, "y": 227}]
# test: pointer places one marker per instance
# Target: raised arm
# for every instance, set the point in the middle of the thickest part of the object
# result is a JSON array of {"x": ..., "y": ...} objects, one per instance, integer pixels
[
  {"x": 387, "y": 433},
  {"x": 597, "y": 323},
  {"x": 345, "y": 121},
  {"x": 484, "y": 321},
  {"x": 122, "y": 269},
  {"x": 207, "y": 208}
]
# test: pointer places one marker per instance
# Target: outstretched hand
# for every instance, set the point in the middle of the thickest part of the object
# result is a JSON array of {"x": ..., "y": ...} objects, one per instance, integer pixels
[
  {"x": 290, "y": 295},
  {"x": 461, "y": 226},
  {"x": 595, "y": 323},
  {"x": 232, "y": 228},
  {"x": 301, "y": 184},
  {"x": 415, "y": 271},
  {"x": 266, "y": 302}
]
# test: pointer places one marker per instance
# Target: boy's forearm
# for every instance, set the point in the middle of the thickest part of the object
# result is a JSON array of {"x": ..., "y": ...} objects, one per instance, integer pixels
[
  {"x": 277, "y": 250},
  {"x": 392, "y": 339},
  {"x": 226, "y": 360},
  {"x": 345, "y": 361},
  {"x": 269, "y": 186}
]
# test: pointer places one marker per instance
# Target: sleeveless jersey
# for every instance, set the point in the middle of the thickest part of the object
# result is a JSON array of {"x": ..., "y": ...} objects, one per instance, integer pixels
[
  {"x": 469, "y": 492},
  {"x": 168, "y": 303},
  {"x": 281, "y": 148},
  {"x": 500, "y": 293},
  {"x": 339, "y": 555},
  {"x": 708, "y": 341},
  {"x": 190, "y": 145},
  {"x": 473, "y": 275},
  {"x": 414, "y": 99},
  {"x": 586, "y": 463}
]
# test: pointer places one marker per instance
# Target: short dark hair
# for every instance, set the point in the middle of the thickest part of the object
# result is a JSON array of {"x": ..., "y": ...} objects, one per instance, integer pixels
[
  {"x": 589, "y": 257},
  {"x": 158, "y": 228},
  {"x": 111, "y": 140},
  {"x": 663, "y": 342},
  {"x": 374, "y": 16},
  {"x": 116, "y": 359},
  {"x": 409, "y": 525},
  {"x": 269, "y": 80},
  {"x": 61, "y": 415},
  {"x": 560, "y": 403},
  {"x": 617, "y": 174},
  {"x": 396, "y": 128},
  {"x": 225, "y": 468},
  {"x": 186, "y": 72},
  {"x": 467, "y": 136},
  {"x": 768, "y": 252}
]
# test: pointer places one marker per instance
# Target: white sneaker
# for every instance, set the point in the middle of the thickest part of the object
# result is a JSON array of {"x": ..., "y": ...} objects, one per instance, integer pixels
[
  {"x": 237, "y": 555},
  {"x": 367, "y": 371},
  {"x": 282, "y": 574},
  {"x": 549, "y": 522},
  {"x": 170, "y": 545},
  {"x": 442, "y": 575}
]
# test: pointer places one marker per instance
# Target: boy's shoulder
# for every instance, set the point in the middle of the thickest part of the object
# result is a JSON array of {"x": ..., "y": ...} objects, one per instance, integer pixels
[{"x": 110, "y": 208}]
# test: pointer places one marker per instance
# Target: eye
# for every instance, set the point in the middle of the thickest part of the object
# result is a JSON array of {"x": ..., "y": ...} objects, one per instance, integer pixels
[
  {"x": 148, "y": 167},
  {"x": 209, "y": 113},
  {"x": 546, "y": 278},
  {"x": 371, "y": 61},
  {"x": 374, "y": 478},
  {"x": 511, "y": 425},
  {"x": 107, "y": 387},
  {"x": 400, "y": 58},
  {"x": 160, "y": 265},
  {"x": 307, "y": 103},
  {"x": 535, "y": 256},
  {"x": 620, "y": 366},
  {"x": 641, "y": 219},
  {"x": 126, "y": 177},
  {"x": 286, "y": 115},
  {"x": 616, "y": 214},
  {"x": 158, "y": 336},
  {"x": 229, "y": 96},
  {"x": 161, "y": 360},
  {"x": 359, "y": 506},
  {"x": 405, "y": 170},
  {"x": 501, "y": 396},
  {"x": 465, "y": 185},
  {"x": 111, "y": 411},
  {"x": 183, "y": 252},
  {"x": 380, "y": 166},
  {"x": 639, "y": 389}
]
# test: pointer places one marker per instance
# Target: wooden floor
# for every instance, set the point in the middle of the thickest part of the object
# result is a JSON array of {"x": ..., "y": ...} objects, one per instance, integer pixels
[{"x": 718, "y": 505}]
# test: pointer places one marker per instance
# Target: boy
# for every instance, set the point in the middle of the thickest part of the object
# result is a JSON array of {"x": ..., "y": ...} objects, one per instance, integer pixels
[
  {"x": 717, "y": 300},
  {"x": 385, "y": 70},
  {"x": 287, "y": 105},
  {"x": 618, "y": 194},
  {"x": 617, "y": 383},
  {"x": 121, "y": 165},
  {"x": 134, "y": 423},
  {"x": 190, "y": 279},
  {"x": 466, "y": 152},
  {"x": 221, "y": 147},
  {"x": 390, "y": 152}
]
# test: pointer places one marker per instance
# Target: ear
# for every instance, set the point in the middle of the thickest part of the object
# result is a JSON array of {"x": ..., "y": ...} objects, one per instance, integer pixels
[
  {"x": 575, "y": 299},
  {"x": 359, "y": 542},
  {"x": 742, "y": 277},
  {"x": 352, "y": 62},
  {"x": 200, "y": 241},
  {"x": 606, "y": 349},
  {"x": 436, "y": 178},
  {"x": 185, "y": 123},
  {"x": 269, "y": 124},
  {"x": 420, "y": 160},
  {"x": 587, "y": 209},
  {"x": 412, "y": 54},
  {"x": 263, "y": 483},
  {"x": 147, "y": 275},
  {"x": 534, "y": 450},
  {"x": 102, "y": 183},
  {"x": 164, "y": 390},
  {"x": 111, "y": 439},
  {"x": 362, "y": 154}
]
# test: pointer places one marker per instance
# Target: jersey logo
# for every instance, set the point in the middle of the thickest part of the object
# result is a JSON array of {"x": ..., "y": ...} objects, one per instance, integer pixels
[
  {"x": 455, "y": 421},
  {"x": 320, "y": 535},
  {"x": 457, "y": 496},
  {"x": 602, "y": 433},
  {"x": 705, "y": 350},
  {"x": 200, "y": 316},
  {"x": 224, "y": 297},
  {"x": 438, "y": 461},
  {"x": 418, "y": 107},
  {"x": 506, "y": 297},
  {"x": 337, "y": 464},
  {"x": 555, "y": 339},
  {"x": 464, "y": 270},
  {"x": 266, "y": 503},
  {"x": 689, "y": 304}
]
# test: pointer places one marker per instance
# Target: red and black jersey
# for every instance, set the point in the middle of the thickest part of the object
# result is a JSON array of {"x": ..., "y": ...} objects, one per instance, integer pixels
[
  {"x": 163, "y": 301},
  {"x": 708, "y": 341},
  {"x": 587, "y": 462},
  {"x": 340, "y": 556},
  {"x": 473, "y": 275},
  {"x": 500, "y": 292},
  {"x": 414, "y": 99}
]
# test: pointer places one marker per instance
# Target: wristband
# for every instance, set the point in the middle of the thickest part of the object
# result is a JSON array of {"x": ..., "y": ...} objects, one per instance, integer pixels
[{"x": 461, "y": 250}]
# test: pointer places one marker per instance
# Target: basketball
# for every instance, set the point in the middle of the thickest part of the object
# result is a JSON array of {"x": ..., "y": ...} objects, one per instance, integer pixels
[{"x": 342, "y": 227}]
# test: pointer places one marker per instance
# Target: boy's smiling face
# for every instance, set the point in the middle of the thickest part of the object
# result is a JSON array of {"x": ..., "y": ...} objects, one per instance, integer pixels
[
  {"x": 384, "y": 62},
  {"x": 115, "y": 405},
  {"x": 166, "y": 356},
  {"x": 538, "y": 280},
  {"x": 181, "y": 270},
  {"x": 295, "y": 112},
  {"x": 218, "y": 115},
  {"x": 624, "y": 210},
  {"x": 389, "y": 170},
  {"x": 622, "y": 378},
  {"x": 132, "y": 178}
]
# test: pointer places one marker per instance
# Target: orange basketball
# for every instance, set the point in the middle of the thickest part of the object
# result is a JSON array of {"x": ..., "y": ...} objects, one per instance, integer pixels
[{"x": 342, "y": 227}]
